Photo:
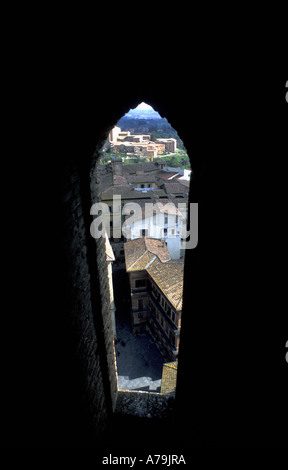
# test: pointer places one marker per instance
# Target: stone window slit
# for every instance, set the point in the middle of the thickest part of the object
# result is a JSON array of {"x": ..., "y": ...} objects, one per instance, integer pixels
[{"x": 125, "y": 399}]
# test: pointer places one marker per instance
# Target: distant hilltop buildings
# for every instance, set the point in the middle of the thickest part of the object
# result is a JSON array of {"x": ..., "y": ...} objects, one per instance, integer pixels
[{"x": 139, "y": 144}]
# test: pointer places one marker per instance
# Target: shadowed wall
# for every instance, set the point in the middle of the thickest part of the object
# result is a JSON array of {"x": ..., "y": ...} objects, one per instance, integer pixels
[{"x": 59, "y": 383}]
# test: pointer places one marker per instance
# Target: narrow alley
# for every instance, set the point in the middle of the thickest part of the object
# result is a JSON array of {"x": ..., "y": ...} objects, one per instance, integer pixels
[{"x": 139, "y": 362}]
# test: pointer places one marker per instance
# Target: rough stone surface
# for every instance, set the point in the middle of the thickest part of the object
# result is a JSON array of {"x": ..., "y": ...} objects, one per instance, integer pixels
[
  {"x": 144, "y": 404},
  {"x": 57, "y": 376},
  {"x": 91, "y": 328}
]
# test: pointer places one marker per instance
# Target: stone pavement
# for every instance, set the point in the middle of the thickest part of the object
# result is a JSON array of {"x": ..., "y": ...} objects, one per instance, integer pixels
[{"x": 125, "y": 383}]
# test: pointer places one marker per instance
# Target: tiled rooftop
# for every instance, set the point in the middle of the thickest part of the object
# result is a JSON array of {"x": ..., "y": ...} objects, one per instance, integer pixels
[
  {"x": 153, "y": 256},
  {"x": 158, "y": 248},
  {"x": 146, "y": 172},
  {"x": 148, "y": 178},
  {"x": 139, "y": 253},
  {"x": 169, "y": 378},
  {"x": 184, "y": 182},
  {"x": 174, "y": 188},
  {"x": 106, "y": 179},
  {"x": 120, "y": 180},
  {"x": 169, "y": 278},
  {"x": 128, "y": 192},
  {"x": 142, "y": 166}
]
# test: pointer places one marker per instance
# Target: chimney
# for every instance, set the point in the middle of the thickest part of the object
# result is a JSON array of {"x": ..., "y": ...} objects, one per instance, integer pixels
[{"x": 117, "y": 166}]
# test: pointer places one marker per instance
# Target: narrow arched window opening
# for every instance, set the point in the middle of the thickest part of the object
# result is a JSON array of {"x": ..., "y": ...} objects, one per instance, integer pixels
[{"x": 144, "y": 172}]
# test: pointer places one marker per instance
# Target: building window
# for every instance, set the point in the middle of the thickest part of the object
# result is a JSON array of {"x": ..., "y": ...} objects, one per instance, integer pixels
[
  {"x": 140, "y": 304},
  {"x": 166, "y": 219},
  {"x": 144, "y": 233},
  {"x": 140, "y": 283},
  {"x": 165, "y": 232}
]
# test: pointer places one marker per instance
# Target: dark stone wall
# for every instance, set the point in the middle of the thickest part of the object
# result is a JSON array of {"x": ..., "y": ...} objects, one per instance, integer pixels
[
  {"x": 84, "y": 281},
  {"x": 58, "y": 361}
]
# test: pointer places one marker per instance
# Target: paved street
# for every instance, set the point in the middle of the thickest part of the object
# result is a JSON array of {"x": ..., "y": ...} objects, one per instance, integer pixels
[{"x": 139, "y": 363}]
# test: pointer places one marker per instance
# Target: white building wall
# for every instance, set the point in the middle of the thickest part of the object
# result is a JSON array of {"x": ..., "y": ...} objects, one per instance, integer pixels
[
  {"x": 156, "y": 228},
  {"x": 173, "y": 245},
  {"x": 185, "y": 174},
  {"x": 113, "y": 134}
]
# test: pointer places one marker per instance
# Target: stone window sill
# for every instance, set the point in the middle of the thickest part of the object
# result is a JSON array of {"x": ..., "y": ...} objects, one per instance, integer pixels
[{"x": 144, "y": 404}]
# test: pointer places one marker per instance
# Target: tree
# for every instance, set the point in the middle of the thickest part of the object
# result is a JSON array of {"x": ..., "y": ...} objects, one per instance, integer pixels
[
  {"x": 185, "y": 161},
  {"x": 173, "y": 162}
]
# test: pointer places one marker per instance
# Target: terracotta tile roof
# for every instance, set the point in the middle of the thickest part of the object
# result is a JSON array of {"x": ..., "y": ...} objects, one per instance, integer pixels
[
  {"x": 174, "y": 188},
  {"x": 136, "y": 167},
  {"x": 185, "y": 183},
  {"x": 133, "y": 250},
  {"x": 120, "y": 180},
  {"x": 169, "y": 278},
  {"x": 128, "y": 192},
  {"x": 158, "y": 247},
  {"x": 106, "y": 180},
  {"x": 150, "y": 255},
  {"x": 143, "y": 262},
  {"x": 139, "y": 253},
  {"x": 140, "y": 178},
  {"x": 169, "y": 377}
]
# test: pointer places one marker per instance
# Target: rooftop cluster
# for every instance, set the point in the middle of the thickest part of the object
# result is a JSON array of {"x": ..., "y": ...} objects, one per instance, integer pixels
[{"x": 139, "y": 144}]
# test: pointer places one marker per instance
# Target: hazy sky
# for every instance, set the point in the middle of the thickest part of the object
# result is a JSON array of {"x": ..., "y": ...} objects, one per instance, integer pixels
[{"x": 143, "y": 106}]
